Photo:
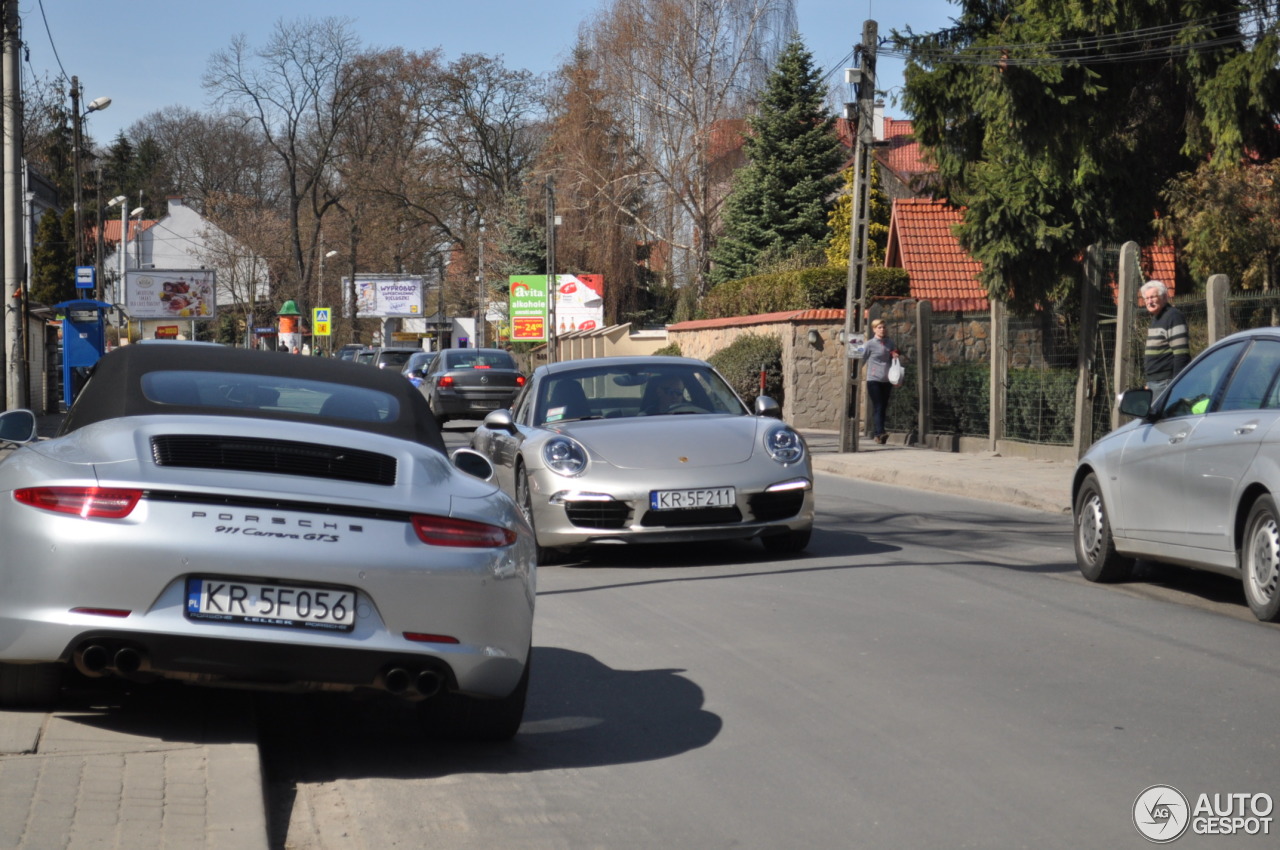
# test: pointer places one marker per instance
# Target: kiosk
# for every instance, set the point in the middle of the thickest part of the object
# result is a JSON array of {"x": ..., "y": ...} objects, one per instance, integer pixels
[{"x": 84, "y": 340}]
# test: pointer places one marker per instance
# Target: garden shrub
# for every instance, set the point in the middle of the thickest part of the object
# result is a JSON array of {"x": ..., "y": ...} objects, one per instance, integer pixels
[
  {"x": 740, "y": 363},
  {"x": 961, "y": 396},
  {"x": 1040, "y": 405}
]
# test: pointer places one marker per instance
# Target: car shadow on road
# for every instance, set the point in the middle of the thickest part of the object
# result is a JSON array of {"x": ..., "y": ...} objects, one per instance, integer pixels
[{"x": 580, "y": 713}]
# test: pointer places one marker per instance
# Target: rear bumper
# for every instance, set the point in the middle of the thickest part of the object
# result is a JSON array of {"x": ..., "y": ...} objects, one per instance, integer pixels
[{"x": 473, "y": 405}]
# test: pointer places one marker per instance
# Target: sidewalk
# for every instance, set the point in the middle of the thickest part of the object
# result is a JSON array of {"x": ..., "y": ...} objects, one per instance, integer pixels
[
  {"x": 1043, "y": 485},
  {"x": 137, "y": 778}
]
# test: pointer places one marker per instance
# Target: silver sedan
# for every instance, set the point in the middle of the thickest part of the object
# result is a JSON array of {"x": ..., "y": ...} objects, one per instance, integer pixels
[
  {"x": 235, "y": 518},
  {"x": 1192, "y": 480},
  {"x": 648, "y": 450}
]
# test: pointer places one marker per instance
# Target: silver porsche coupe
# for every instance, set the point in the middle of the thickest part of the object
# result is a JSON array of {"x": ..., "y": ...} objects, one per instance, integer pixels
[
  {"x": 1194, "y": 478},
  {"x": 618, "y": 450},
  {"x": 236, "y": 518}
]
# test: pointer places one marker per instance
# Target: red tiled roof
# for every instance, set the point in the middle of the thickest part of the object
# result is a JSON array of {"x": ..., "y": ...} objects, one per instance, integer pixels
[
  {"x": 922, "y": 242},
  {"x": 111, "y": 230},
  {"x": 901, "y": 153},
  {"x": 1160, "y": 262}
]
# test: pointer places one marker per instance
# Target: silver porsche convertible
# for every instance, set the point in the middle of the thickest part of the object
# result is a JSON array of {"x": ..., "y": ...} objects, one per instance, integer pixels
[
  {"x": 236, "y": 518},
  {"x": 648, "y": 450},
  {"x": 1194, "y": 479}
]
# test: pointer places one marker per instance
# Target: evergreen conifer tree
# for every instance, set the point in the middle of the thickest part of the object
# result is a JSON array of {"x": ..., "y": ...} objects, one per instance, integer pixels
[
  {"x": 781, "y": 196},
  {"x": 53, "y": 272}
]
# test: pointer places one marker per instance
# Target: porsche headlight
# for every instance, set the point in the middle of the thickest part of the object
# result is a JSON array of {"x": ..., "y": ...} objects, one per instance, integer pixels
[
  {"x": 564, "y": 456},
  {"x": 784, "y": 445}
]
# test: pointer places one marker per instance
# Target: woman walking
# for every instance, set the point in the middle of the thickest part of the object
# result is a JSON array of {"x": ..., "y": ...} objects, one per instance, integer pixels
[{"x": 878, "y": 354}]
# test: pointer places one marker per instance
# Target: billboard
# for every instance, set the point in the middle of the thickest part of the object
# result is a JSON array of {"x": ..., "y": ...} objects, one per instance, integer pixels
[
  {"x": 170, "y": 293},
  {"x": 387, "y": 297},
  {"x": 579, "y": 305}
]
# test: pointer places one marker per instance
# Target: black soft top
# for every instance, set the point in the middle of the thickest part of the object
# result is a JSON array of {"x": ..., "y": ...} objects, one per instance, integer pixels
[{"x": 158, "y": 379}]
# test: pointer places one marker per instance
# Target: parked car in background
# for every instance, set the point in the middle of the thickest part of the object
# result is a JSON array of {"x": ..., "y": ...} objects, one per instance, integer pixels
[
  {"x": 234, "y": 518},
  {"x": 468, "y": 383},
  {"x": 349, "y": 351},
  {"x": 648, "y": 450},
  {"x": 414, "y": 367},
  {"x": 391, "y": 357},
  {"x": 1194, "y": 478}
]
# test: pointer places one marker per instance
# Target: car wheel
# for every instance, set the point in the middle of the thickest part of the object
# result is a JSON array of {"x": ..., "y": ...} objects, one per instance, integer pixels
[
  {"x": 435, "y": 411},
  {"x": 1095, "y": 550},
  {"x": 456, "y": 717},
  {"x": 524, "y": 498},
  {"x": 1260, "y": 561},
  {"x": 30, "y": 685},
  {"x": 787, "y": 543}
]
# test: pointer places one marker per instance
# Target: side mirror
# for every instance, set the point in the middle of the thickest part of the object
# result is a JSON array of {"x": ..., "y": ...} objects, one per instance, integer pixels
[
  {"x": 500, "y": 420},
  {"x": 472, "y": 463},
  {"x": 766, "y": 406},
  {"x": 1135, "y": 402},
  {"x": 17, "y": 426}
]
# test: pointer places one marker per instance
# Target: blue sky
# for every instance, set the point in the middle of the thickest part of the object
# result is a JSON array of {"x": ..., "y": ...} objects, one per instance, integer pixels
[{"x": 146, "y": 55}]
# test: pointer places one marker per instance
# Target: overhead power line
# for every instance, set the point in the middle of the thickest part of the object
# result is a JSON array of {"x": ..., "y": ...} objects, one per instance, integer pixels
[{"x": 1101, "y": 49}]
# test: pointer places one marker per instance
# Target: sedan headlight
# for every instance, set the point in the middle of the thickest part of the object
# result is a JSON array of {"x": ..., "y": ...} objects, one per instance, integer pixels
[
  {"x": 564, "y": 456},
  {"x": 784, "y": 445}
]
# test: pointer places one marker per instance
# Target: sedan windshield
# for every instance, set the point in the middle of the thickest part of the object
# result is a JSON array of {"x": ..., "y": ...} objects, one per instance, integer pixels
[{"x": 621, "y": 392}]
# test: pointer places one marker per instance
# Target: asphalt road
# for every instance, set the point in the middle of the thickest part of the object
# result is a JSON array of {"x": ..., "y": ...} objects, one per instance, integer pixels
[{"x": 932, "y": 673}]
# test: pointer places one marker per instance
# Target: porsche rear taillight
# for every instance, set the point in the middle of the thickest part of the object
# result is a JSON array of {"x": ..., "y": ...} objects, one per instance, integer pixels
[
  {"x": 98, "y": 502},
  {"x": 464, "y": 533}
]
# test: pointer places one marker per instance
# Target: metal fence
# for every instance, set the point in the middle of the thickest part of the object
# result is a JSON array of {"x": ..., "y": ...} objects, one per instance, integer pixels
[{"x": 1042, "y": 354}]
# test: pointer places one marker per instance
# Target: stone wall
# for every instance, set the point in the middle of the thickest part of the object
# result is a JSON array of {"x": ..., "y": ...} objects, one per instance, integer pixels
[{"x": 812, "y": 372}]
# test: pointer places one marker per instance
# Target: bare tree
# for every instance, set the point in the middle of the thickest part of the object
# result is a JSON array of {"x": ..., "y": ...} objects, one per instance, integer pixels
[
  {"x": 241, "y": 242},
  {"x": 598, "y": 190},
  {"x": 298, "y": 92},
  {"x": 439, "y": 147},
  {"x": 210, "y": 157},
  {"x": 675, "y": 72}
]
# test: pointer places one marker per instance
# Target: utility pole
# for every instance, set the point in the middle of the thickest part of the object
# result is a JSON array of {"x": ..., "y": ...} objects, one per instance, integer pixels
[
  {"x": 863, "y": 111},
  {"x": 553, "y": 291},
  {"x": 13, "y": 362},
  {"x": 482, "y": 306},
  {"x": 75, "y": 168}
]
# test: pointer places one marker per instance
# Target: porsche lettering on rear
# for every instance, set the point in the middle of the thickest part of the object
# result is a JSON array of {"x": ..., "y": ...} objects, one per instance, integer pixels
[{"x": 259, "y": 519}]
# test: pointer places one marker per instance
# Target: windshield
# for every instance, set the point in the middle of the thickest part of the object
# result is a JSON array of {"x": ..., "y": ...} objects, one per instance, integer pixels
[
  {"x": 272, "y": 393},
  {"x": 646, "y": 390},
  {"x": 473, "y": 359}
]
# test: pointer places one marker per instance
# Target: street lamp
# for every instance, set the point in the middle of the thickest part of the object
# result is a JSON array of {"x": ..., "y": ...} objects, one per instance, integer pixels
[
  {"x": 77, "y": 118},
  {"x": 117, "y": 200}
]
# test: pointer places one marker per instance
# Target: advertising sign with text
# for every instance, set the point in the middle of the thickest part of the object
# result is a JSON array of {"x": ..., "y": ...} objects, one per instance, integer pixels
[
  {"x": 170, "y": 293},
  {"x": 579, "y": 305},
  {"x": 388, "y": 297}
]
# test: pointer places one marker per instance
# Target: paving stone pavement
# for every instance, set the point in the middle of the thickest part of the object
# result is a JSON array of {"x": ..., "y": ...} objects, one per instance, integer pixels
[{"x": 176, "y": 768}]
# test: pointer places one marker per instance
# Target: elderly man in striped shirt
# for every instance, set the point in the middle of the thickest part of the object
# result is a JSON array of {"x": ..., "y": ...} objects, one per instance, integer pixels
[{"x": 1168, "y": 346}]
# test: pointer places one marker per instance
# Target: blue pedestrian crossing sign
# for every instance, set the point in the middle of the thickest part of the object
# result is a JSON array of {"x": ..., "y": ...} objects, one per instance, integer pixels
[{"x": 320, "y": 321}]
